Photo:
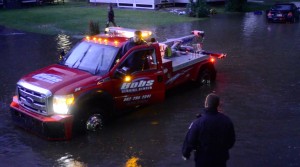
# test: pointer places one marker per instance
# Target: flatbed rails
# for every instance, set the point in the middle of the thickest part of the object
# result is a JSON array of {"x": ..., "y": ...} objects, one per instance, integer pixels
[{"x": 185, "y": 60}]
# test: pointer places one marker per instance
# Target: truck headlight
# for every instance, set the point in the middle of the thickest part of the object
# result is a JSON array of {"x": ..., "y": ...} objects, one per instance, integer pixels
[{"x": 62, "y": 103}]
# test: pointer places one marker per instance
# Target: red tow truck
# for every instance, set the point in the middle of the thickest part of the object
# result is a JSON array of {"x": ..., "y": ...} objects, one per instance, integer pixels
[{"x": 93, "y": 82}]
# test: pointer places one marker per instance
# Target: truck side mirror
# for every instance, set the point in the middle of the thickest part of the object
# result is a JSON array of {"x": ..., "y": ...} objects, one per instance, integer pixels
[{"x": 122, "y": 72}]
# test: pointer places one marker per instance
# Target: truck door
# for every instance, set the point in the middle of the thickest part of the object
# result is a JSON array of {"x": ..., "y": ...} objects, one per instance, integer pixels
[{"x": 141, "y": 81}]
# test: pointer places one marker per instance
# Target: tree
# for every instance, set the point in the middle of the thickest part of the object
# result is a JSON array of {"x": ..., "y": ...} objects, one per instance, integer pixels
[
  {"x": 198, "y": 9},
  {"x": 93, "y": 28}
]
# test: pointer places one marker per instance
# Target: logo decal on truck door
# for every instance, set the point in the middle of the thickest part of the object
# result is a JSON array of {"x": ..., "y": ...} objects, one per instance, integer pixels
[{"x": 136, "y": 86}]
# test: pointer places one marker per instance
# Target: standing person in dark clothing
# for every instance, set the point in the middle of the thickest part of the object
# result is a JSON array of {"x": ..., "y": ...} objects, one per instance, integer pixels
[
  {"x": 134, "y": 41},
  {"x": 110, "y": 16},
  {"x": 135, "y": 61},
  {"x": 210, "y": 136}
]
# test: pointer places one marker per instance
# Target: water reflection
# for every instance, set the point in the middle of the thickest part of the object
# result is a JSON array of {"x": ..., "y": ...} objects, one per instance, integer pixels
[
  {"x": 250, "y": 24},
  {"x": 68, "y": 161},
  {"x": 63, "y": 43},
  {"x": 132, "y": 162},
  {"x": 163, "y": 33}
]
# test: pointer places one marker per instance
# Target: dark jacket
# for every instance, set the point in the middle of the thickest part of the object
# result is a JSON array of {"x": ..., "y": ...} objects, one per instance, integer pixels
[
  {"x": 130, "y": 44},
  {"x": 111, "y": 15},
  {"x": 211, "y": 136},
  {"x": 137, "y": 61}
]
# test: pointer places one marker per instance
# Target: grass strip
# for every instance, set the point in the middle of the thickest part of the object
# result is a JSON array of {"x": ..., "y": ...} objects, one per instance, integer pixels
[{"x": 73, "y": 18}]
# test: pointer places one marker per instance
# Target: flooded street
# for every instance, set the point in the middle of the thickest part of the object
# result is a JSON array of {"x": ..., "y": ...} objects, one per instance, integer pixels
[{"x": 258, "y": 82}]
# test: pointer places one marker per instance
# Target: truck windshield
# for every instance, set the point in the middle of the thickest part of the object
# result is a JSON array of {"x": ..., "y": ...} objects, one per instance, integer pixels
[{"x": 91, "y": 57}]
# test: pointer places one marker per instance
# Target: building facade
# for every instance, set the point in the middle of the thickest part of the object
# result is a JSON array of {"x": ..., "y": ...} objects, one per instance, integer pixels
[{"x": 147, "y": 4}]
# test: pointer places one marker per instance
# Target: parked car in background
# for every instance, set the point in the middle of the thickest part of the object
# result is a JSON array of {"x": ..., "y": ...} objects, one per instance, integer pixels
[{"x": 283, "y": 12}]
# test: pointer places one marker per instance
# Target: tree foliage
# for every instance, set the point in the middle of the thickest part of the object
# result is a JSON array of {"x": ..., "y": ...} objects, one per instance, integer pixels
[
  {"x": 235, "y": 5},
  {"x": 198, "y": 8},
  {"x": 93, "y": 28}
]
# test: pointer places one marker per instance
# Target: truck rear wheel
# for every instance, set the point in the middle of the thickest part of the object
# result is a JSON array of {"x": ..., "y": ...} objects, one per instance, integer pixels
[{"x": 206, "y": 76}]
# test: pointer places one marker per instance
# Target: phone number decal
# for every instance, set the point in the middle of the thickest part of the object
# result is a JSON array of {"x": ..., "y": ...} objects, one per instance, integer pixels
[{"x": 134, "y": 98}]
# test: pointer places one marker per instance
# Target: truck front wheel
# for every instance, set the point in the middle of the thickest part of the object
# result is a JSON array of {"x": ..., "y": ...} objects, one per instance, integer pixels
[
  {"x": 89, "y": 119},
  {"x": 94, "y": 119},
  {"x": 94, "y": 122}
]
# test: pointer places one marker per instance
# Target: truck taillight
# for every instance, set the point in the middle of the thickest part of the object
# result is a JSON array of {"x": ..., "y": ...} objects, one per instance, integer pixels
[
  {"x": 212, "y": 59},
  {"x": 217, "y": 55}
]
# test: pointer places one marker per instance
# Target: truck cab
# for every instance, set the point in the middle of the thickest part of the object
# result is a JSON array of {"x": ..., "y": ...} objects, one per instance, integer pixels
[{"x": 93, "y": 82}]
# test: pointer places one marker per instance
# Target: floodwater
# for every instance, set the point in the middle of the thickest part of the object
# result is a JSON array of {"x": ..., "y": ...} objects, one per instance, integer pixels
[{"x": 258, "y": 82}]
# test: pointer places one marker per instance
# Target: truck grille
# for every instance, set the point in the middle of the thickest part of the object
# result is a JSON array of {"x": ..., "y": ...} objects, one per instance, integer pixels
[{"x": 34, "y": 98}]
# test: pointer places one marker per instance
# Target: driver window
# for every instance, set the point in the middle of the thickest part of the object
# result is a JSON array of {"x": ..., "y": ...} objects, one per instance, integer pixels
[{"x": 141, "y": 60}]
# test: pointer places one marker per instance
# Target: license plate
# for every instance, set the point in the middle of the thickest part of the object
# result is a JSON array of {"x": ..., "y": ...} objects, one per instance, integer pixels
[{"x": 279, "y": 15}]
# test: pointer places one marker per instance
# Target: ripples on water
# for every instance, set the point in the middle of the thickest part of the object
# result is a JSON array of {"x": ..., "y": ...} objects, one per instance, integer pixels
[
  {"x": 69, "y": 161},
  {"x": 63, "y": 43}
]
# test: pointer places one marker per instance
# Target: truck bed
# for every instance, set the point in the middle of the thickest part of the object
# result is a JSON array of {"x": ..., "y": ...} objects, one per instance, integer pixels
[{"x": 185, "y": 60}]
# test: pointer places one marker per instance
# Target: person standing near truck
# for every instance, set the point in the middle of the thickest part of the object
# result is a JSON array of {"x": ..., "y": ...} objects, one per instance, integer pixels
[
  {"x": 134, "y": 41},
  {"x": 111, "y": 16},
  {"x": 210, "y": 136},
  {"x": 135, "y": 61}
]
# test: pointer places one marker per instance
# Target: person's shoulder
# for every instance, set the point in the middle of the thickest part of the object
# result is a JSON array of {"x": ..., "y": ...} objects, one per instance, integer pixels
[
  {"x": 198, "y": 120},
  {"x": 225, "y": 117},
  {"x": 129, "y": 41}
]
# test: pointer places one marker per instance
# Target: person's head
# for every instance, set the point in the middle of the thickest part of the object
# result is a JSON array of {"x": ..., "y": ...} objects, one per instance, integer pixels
[
  {"x": 152, "y": 40},
  {"x": 212, "y": 101},
  {"x": 137, "y": 37},
  {"x": 110, "y": 7}
]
